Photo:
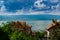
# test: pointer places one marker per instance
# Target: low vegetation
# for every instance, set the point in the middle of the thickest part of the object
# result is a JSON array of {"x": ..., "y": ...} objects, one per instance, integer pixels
[{"x": 8, "y": 32}]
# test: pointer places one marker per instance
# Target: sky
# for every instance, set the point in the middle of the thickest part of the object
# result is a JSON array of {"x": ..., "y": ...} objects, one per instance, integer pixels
[
  {"x": 30, "y": 7},
  {"x": 18, "y": 7}
]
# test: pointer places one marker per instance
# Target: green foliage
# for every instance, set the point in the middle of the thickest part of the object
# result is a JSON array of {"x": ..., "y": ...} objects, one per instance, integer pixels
[
  {"x": 56, "y": 32},
  {"x": 3, "y": 35},
  {"x": 13, "y": 34}
]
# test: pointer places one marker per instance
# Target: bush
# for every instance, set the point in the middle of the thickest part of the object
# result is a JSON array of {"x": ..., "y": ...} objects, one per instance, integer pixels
[{"x": 8, "y": 32}]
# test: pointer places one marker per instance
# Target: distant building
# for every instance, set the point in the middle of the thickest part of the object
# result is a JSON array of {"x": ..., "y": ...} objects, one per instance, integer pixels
[
  {"x": 53, "y": 31},
  {"x": 22, "y": 26}
]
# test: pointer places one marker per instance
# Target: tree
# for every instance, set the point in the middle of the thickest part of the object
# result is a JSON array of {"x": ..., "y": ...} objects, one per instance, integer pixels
[
  {"x": 3, "y": 35},
  {"x": 9, "y": 32}
]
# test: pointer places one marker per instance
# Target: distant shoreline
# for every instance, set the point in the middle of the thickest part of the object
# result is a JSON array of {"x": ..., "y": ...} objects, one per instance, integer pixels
[{"x": 28, "y": 17}]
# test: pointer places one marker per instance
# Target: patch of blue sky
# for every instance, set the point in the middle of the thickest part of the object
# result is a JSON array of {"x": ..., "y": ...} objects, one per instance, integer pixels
[{"x": 29, "y": 6}]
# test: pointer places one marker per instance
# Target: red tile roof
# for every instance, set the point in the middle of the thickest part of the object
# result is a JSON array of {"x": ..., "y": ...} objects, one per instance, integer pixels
[{"x": 51, "y": 26}]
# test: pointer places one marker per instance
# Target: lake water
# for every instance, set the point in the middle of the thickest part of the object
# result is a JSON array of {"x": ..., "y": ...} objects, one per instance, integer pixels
[
  {"x": 28, "y": 17},
  {"x": 38, "y": 22},
  {"x": 36, "y": 25}
]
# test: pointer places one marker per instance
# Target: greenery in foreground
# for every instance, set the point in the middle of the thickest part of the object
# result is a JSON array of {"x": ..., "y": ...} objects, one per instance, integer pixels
[{"x": 7, "y": 32}]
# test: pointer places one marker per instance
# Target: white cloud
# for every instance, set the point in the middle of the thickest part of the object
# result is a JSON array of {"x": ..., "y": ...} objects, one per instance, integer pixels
[
  {"x": 31, "y": 12},
  {"x": 39, "y": 5},
  {"x": 19, "y": 12},
  {"x": 55, "y": 12},
  {"x": 58, "y": 7},
  {"x": 3, "y": 9},
  {"x": 1, "y": 2},
  {"x": 54, "y": 1}
]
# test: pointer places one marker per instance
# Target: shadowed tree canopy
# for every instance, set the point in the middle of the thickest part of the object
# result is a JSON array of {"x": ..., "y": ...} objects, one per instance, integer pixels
[{"x": 3, "y": 35}]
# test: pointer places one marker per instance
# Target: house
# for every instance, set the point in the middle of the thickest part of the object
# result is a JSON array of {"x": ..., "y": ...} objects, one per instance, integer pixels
[
  {"x": 22, "y": 26},
  {"x": 53, "y": 31}
]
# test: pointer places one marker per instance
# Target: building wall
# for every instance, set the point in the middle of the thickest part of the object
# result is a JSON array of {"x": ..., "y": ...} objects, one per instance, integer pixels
[{"x": 54, "y": 33}]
